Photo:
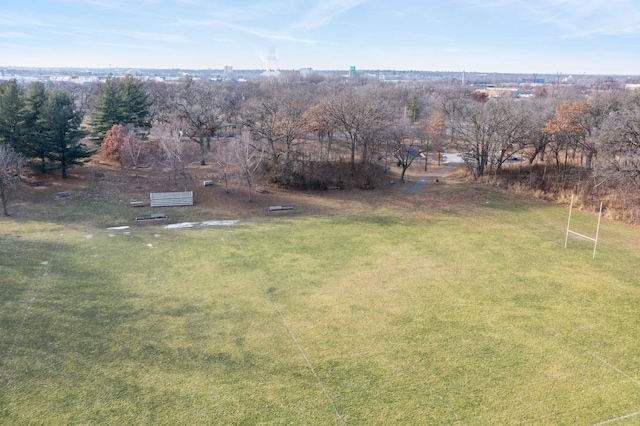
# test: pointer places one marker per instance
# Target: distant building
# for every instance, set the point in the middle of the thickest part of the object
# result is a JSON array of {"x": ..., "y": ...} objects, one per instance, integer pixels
[
  {"x": 632, "y": 86},
  {"x": 271, "y": 73},
  {"x": 306, "y": 72},
  {"x": 80, "y": 80},
  {"x": 533, "y": 80},
  {"x": 498, "y": 92}
]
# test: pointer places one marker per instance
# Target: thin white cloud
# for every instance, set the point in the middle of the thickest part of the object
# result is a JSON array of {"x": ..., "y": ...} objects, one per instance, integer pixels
[
  {"x": 113, "y": 4},
  {"x": 574, "y": 18},
  {"x": 146, "y": 36},
  {"x": 11, "y": 34},
  {"x": 258, "y": 32},
  {"x": 9, "y": 20},
  {"x": 67, "y": 33},
  {"x": 261, "y": 11},
  {"x": 99, "y": 4},
  {"x": 23, "y": 47},
  {"x": 325, "y": 12}
]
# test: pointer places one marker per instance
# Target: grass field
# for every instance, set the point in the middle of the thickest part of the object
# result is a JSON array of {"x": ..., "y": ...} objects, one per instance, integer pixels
[{"x": 462, "y": 307}]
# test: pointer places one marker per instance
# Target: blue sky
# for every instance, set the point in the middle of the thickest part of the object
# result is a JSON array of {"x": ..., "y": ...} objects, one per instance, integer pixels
[{"x": 525, "y": 36}]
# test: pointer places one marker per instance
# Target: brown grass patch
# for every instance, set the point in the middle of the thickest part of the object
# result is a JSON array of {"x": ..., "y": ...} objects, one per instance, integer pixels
[{"x": 108, "y": 182}]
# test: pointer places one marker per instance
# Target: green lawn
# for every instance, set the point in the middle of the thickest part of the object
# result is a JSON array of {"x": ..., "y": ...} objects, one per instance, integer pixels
[{"x": 473, "y": 313}]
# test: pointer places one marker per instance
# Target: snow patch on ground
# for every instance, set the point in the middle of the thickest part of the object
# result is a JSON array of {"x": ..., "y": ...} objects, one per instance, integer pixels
[
  {"x": 181, "y": 225},
  {"x": 219, "y": 223},
  {"x": 117, "y": 228},
  {"x": 206, "y": 223},
  {"x": 452, "y": 157}
]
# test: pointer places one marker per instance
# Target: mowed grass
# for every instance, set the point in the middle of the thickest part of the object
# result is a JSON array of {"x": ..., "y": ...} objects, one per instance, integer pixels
[{"x": 471, "y": 313}]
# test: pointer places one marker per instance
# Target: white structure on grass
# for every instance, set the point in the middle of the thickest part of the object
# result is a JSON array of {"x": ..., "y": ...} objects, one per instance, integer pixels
[{"x": 595, "y": 240}]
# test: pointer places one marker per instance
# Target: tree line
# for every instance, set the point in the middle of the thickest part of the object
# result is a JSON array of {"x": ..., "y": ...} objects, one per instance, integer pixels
[{"x": 315, "y": 132}]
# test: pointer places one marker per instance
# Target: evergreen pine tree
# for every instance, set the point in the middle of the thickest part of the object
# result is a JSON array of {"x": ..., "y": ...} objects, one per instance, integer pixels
[
  {"x": 107, "y": 110},
  {"x": 134, "y": 102},
  {"x": 120, "y": 102},
  {"x": 11, "y": 102},
  {"x": 61, "y": 123},
  {"x": 34, "y": 143}
]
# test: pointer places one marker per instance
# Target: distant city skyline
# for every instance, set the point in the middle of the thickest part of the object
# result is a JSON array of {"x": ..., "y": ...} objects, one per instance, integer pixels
[{"x": 506, "y": 36}]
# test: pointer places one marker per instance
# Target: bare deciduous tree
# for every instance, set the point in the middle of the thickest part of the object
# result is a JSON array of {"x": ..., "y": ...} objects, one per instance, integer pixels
[
  {"x": 321, "y": 125},
  {"x": 406, "y": 147},
  {"x": 225, "y": 157},
  {"x": 476, "y": 130},
  {"x": 620, "y": 143},
  {"x": 174, "y": 154},
  {"x": 11, "y": 164},
  {"x": 278, "y": 117},
  {"x": 201, "y": 107},
  {"x": 133, "y": 151},
  {"x": 357, "y": 111},
  {"x": 249, "y": 159}
]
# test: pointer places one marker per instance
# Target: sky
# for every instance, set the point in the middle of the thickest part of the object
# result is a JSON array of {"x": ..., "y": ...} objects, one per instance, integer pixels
[{"x": 568, "y": 37}]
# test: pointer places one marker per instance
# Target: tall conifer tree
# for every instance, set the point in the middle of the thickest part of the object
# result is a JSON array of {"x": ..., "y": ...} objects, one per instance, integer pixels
[
  {"x": 120, "y": 102},
  {"x": 61, "y": 123},
  {"x": 11, "y": 103},
  {"x": 34, "y": 144}
]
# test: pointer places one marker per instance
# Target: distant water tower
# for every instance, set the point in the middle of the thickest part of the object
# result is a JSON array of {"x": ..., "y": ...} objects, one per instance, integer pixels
[{"x": 352, "y": 71}]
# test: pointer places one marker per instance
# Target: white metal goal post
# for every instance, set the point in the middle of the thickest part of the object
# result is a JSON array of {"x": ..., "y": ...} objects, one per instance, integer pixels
[{"x": 569, "y": 231}]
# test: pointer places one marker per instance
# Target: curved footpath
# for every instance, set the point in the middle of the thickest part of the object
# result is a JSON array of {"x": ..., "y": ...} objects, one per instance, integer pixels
[{"x": 455, "y": 160}]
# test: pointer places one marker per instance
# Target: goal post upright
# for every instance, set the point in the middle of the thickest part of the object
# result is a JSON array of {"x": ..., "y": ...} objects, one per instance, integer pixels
[
  {"x": 569, "y": 231},
  {"x": 566, "y": 237},
  {"x": 595, "y": 243}
]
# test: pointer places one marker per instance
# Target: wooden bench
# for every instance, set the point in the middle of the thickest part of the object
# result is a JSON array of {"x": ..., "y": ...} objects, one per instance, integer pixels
[
  {"x": 62, "y": 195},
  {"x": 171, "y": 199},
  {"x": 152, "y": 216},
  {"x": 279, "y": 208},
  {"x": 136, "y": 203}
]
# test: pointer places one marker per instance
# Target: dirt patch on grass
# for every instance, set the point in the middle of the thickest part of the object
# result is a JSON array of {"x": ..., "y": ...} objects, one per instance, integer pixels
[{"x": 108, "y": 183}]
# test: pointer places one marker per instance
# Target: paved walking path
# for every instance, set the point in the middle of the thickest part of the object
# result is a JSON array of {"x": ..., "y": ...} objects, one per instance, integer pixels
[{"x": 423, "y": 180}]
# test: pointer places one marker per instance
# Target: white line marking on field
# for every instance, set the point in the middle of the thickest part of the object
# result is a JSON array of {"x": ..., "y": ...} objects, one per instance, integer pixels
[
  {"x": 588, "y": 352},
  {"x": 617, "y": 419},
  {"x": 608, "y": 364},
  {"x": 525, "y": 406},
  {"x": 286, "y": 324},
  {"x": 35, "y": 292},
  {"x": 561, "y": 335}
]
